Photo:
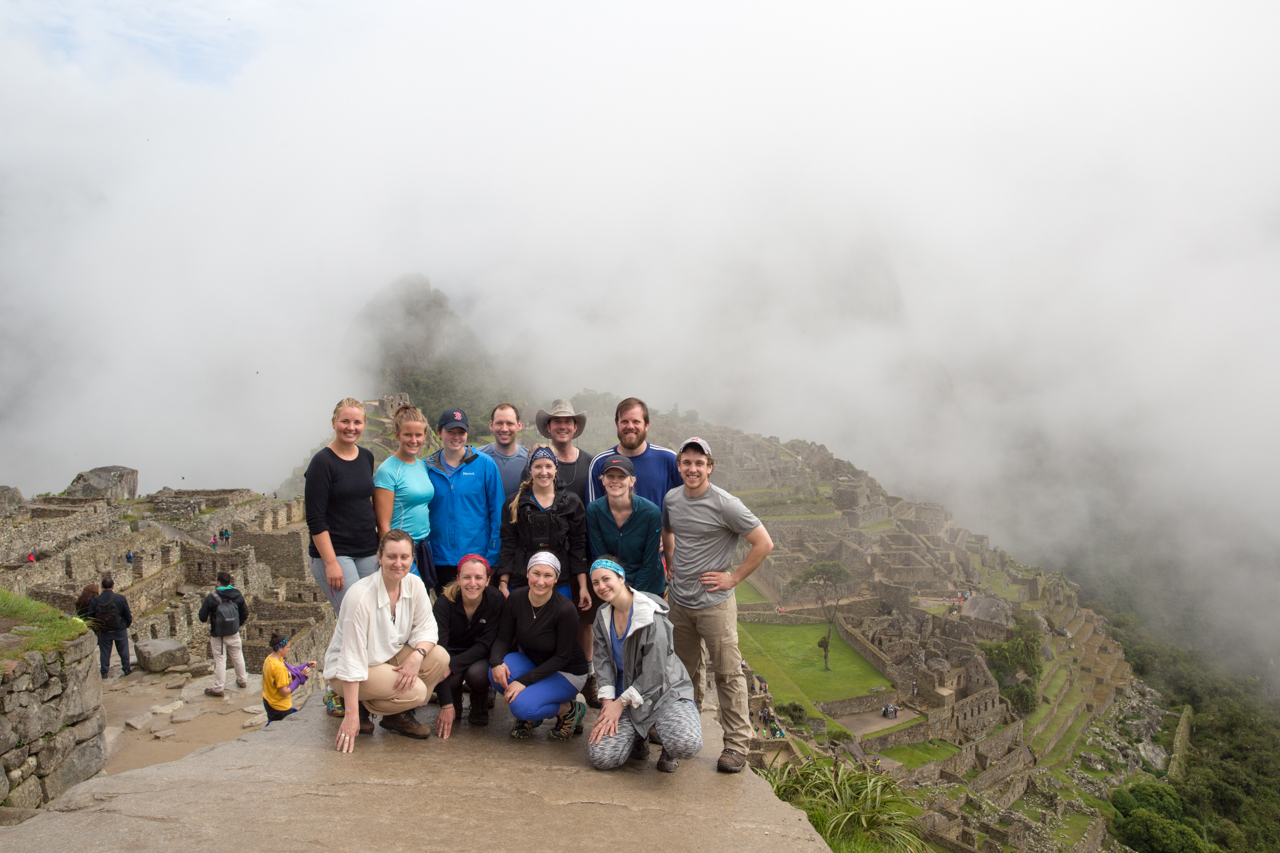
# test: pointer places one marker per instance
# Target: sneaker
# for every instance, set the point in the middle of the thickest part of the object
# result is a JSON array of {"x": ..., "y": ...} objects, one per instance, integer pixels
[
  {"x": 332, "y": 704},
  {"x": 667, "y": 764},
  {"x": 522, "y": 730},
  {"x": 731, "y": 762},
  {"x": 570, "y": 724},
  {"x": 406, "y": 724},
  {"x": 478, "y": 716},
  {"x": 242, "y": 683},
  {"x": 590, "y": 692},
  {"x": 639, "y": 750},
  {"x": 209, "y": 691},
  {"x": 366, "y": 720}
]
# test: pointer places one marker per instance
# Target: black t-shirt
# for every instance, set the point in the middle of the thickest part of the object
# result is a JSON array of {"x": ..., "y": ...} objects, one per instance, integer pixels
[
  {"x": 339, "y": 499},
  {"x": 549, "y": 640},
  {"x": 575, "y": 476}
]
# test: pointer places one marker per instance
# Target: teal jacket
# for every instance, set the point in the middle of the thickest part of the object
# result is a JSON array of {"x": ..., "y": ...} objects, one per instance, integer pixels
[{"x": 636, "y": 544}]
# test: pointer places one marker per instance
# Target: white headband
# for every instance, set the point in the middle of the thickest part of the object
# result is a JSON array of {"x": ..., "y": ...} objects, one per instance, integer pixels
[{"x": 545, "y": 558}]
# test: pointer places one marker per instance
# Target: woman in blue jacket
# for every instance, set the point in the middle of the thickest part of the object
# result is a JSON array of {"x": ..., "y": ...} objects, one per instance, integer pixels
[{"x": 466, "y": 507}]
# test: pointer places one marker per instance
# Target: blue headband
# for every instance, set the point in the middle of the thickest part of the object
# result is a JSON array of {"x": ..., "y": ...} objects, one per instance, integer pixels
[
  {"x": 611, "y": 566},
  {"x": 543, "y": 453},
  {"x": 275, "y": 647}
]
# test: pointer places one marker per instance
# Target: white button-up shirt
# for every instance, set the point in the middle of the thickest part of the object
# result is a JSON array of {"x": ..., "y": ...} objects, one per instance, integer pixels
[{"x": 367, "y": 636}]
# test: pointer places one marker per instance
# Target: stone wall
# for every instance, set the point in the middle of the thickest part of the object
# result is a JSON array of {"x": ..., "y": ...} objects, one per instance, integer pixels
[
  {"x": 52, "y": 535},
  {"x": 858, "y": 704},
  {"x": 911, "y": 734},
  {"x": 771, "y": 618},
  {"x": 874, "y": 656},
  {"x": 51, "y": 729},
  {"x": 285, "y": 552}
]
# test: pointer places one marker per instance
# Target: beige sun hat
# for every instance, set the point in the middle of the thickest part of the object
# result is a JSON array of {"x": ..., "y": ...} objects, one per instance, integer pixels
[{"x": 560, "y": 409}]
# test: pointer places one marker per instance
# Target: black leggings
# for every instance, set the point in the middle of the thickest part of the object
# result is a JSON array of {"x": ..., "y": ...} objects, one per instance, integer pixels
[
  {"x": 274, "y": 715},
  {"x": 476, "y": 677}
]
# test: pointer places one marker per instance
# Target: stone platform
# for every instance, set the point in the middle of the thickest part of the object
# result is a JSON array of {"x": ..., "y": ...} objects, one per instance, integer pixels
[{"x": 286, "y": 789}]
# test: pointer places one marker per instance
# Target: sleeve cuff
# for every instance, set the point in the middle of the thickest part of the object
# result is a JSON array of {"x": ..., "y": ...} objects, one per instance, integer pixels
[
  {"x": 632, "y": 697},
  {"x": 605, "y": 691}
]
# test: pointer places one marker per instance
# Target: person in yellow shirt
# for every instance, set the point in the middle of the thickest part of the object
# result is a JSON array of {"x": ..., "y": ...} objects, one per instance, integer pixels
[{"x": 280, "y": 679}]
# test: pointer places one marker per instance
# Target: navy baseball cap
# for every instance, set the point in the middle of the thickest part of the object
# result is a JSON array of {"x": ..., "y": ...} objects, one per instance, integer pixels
[
  {"x": 620, "y": 462},
  {"x": 453, "y": 419}
]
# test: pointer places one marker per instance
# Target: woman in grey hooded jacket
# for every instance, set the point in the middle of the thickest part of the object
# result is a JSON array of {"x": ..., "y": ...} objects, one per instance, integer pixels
[{"x": 642, "y": 683}]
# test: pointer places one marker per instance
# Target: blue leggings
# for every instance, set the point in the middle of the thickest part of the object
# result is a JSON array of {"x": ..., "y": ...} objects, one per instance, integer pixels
[{"x": 539, "y": 701}]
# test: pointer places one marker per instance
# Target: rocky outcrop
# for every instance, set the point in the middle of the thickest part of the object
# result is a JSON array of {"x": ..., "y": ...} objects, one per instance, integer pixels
[
  {"x": 10, "y": 499},
  {"x": 159, "y": 655},
  {"x": 112, "y": 481}
]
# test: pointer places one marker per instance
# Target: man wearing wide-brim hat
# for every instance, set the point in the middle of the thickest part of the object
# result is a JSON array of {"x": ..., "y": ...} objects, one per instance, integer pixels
[{"x": 562, "y": 425}]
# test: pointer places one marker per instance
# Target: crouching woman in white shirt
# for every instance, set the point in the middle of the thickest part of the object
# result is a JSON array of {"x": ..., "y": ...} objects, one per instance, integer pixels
[{"x": 383, "y": 657}]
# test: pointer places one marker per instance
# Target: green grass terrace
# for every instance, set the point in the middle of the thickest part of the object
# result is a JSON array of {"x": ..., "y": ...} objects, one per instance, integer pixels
[{"x": 789, "y": 659}]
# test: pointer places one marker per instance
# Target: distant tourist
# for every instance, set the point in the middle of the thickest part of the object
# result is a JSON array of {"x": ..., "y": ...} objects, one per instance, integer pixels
[
  {"x": 128, "y": 557},
  {"x": 628, "y": 526},
  {"x": 339, "y": 501},
  {"x": 466, "y": 508},
  {"x": 228, "y": 538},
  {"x": 562, "y": 425},
  {"x": 213, "y": 543},
  {"x": 655, "y": 467},
  {"x": 88, "y": 594},
  {"x": 642, "y": 684},
  {"x": 505, "y": 451},
  {"x": 701, "y": 526},
  {"x": 31, "y": 556},
  {"x": 112, "y": 618},
  {"x": 467, "y": 615},
  {"x": 281, "y": 679},
  {"x": 536, "y": 661},
  {"x": 225, "y": 610},
  {"x": 403, "y": 490},
  {"x": 383, "y": 657}
]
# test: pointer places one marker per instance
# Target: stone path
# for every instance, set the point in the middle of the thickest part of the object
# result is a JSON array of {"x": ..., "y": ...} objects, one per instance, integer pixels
[{"x": 286, "y": 789}]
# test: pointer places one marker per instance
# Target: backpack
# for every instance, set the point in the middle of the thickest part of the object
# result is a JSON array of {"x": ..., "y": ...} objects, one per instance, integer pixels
[
  {"x": 226, "y": 617},
  {"x": 108, "y": 615}
]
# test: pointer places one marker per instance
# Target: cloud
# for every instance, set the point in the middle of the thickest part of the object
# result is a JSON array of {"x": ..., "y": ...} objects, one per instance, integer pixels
[{"x": 1021, "y": 260}]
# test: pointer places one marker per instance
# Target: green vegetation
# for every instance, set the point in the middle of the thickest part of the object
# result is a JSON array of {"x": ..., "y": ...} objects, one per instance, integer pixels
[
  {"x": 1151, "y": 819},
  {"x": 826, "y": 581},
  {"x": 914, "y": 755},
  {"x": 879, "y": 525},
  {"x": 914, "y": 721},
  {"x": 853, "y": 810},
  {"x": 789, "y": 659},
  {"x": 746, "y": 593},
  {"x": 1020, "y": 652},
  {"x": 52, "y": 628}
]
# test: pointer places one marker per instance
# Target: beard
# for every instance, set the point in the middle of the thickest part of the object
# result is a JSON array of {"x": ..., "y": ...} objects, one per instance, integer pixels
[{"x": 631, "y": 441}]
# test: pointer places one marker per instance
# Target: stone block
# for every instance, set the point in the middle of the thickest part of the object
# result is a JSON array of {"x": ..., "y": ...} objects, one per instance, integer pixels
[
  {"x": 34, "y": 720},
  {"x": 36, "y": 745},
  {"x": 10, "y": 670},
  {"x": 177, "y": 683},
  {"x": 28, "y": 767},
  {"x": 168, "y": 708},
  {"x": 164, "y": 734},
  {"x": 28, "y": 795},
  {"x": 90, "y": 727},
  {"x": 4, "y": 787},
  {"x": 204, "y": 667},
  {"x": 8, "y": 737},
  {"x": 52, "y": 688},
  {"x": 35, "y": 668},
  {"x": 159, "y": 655},
  {"x": 22, "y": 684},
  {"x": 13, "y": 817},
  {"x": 255, "y": 721},
  {"x": 54, "y": 667},
  {"x": 113, "y": 739},
  {"x": 82, "y": 694},
  {"x": 13, "y": 759},
  {"x": 55, "y": 750},
  {"x": 80, "y": 648},
  {"x": 159, "y": 725},
  {"x": 83, "y": 762},
  {"x": 138, "y": 722},
  {"x": 189, "y": 713}
]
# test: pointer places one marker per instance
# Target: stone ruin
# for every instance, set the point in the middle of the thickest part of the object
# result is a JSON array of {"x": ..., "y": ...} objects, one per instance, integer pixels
[{"x": 113, "y": 481}]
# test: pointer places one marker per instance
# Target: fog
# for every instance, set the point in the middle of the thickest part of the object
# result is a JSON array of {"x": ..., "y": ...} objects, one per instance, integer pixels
[{"x": 1023, "y": 261}]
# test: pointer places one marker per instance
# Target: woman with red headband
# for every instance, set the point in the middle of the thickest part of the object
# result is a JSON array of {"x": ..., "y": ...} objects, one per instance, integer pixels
[{"x": 467, "y": 616}]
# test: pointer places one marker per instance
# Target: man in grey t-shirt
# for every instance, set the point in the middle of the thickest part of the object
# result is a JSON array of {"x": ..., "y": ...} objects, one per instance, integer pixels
[{"x": 701, "y": 525}]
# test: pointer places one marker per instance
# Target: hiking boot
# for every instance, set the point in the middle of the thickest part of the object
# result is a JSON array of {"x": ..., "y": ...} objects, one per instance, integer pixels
[
  {"x": 242, "y": 683},
  {"x": 333, "y": 704},
  {"x": 406, "y": 724},
  {"x": 478, "y": 716},
  {"x": 493, "y": 698},
  {"x": 522, "y": 730},
  {"x": 654, "y": 737},
  {"x": 209, "y": 691},
  {"x": 731, "y": 762},
  {"x": 570, "y": 724},
  {"x": 590, "y": 692},
  {"x": 640, "y": 750},
  {"x": 667, "y": 764},
  {"x": 366, "y": 720}
]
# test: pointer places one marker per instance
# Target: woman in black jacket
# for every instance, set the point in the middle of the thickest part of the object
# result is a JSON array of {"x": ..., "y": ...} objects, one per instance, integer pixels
[
  {"x": 545, "y": 517},
  {"x": 467, "y": 616}
]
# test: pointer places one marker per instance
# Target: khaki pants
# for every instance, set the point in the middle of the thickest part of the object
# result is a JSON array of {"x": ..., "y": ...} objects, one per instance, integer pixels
[
  {"x": 222, "y": 648},
  {"x": 378, "y": 691},
  {"x": 717, "y": 627}
]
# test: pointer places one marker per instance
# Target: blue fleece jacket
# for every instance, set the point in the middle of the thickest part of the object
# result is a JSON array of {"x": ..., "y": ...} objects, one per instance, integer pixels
[{"x": 466, "y": 509}]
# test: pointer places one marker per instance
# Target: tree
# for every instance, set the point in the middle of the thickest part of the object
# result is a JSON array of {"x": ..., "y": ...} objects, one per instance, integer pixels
[{"x": 826, "y": 580}]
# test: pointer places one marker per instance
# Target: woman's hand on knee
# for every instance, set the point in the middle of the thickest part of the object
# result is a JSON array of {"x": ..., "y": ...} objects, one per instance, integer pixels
[
  {"x": 606, "y": 725},
  {"x": 513, "y": 690},
  {"x": 500, "y": 675},
  {"x": 444, "y": 722},
  {"x": 407, "y": 673}
]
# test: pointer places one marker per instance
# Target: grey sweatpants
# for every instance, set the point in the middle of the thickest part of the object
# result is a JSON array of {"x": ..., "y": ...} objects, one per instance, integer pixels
[{"x": 679, "y": 727}]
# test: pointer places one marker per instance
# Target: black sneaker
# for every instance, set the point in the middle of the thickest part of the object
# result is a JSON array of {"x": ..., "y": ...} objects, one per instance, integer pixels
[
  {"x": 667, "y": 764},
  {"x": 654, "y": 737},
  {"x": 640, "y": 750}
]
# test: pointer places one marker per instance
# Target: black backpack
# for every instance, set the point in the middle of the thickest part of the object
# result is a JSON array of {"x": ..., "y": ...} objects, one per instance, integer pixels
[
  {"x": 108, "y": 615},
  {"x": 226, "y": 617}
]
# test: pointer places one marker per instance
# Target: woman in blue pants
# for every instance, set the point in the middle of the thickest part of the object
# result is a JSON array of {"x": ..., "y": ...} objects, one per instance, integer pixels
[{"x": 536, "y": 661}]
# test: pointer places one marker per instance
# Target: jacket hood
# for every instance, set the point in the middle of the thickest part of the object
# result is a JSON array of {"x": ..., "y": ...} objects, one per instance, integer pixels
[
  {"x": 643, "y": 607},
  {"x": 229, "y": 593}
]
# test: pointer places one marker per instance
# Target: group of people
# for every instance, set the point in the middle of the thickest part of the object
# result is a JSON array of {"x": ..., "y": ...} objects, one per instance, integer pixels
[
  {"x": 556, "y": 575},
  {"x": 890, "y": 711},
  {"x": 769, "y": 720}
]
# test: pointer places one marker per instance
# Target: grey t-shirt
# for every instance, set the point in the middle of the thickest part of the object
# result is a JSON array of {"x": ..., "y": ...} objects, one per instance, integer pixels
[
  {"x": 706, "y": 529},
  {"x": 511, "y": 468}
]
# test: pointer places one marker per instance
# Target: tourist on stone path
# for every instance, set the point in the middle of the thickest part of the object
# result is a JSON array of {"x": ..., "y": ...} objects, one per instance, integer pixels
[
  {"x": 213, "y": 543},
  {"x": 339, "y": 502},
  {"x": 643, "y": 684},
  {"x": 545, "y": 516},
  {"x": 536, "y": 660},
  {"x": 88, "y": 594},
  {"x": 562, "y": 425},
  {"x": 31, "y": 556},
  {"x": 505, "y": 451},
  {"x": 466, "y": 509},
  {"x": 467, "y": 615},
  {"x": 701, "y": 526},
  {"x": 402, "y": 490},
  {"x": 281, "y": 679},
  {"x": 628, "y": 526},
  {"x": 225, "y": 610},
  {"x": 128, "y": 557},
  {"x": 656, "y": 470},
  {"x": 112, "y": 618},
  {"x": 383, "y": 657}
]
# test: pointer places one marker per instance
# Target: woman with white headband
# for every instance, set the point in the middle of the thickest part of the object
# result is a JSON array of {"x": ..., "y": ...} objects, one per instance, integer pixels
[
  {"x": 536, "y": 661},
  {"x": 643, "y": 684}
]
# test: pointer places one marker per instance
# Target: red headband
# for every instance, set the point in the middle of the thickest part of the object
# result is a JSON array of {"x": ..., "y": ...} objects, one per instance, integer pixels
[{"x": 466, "y": 558}]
